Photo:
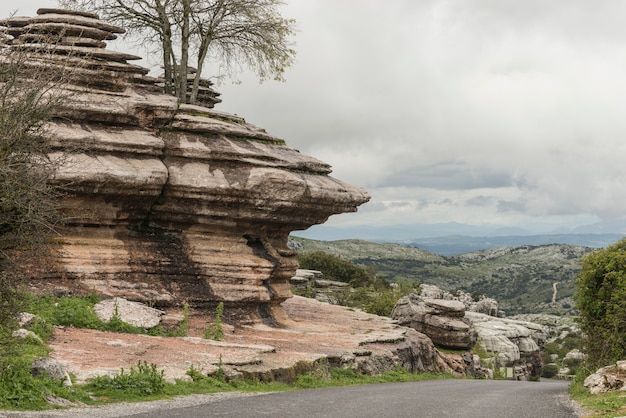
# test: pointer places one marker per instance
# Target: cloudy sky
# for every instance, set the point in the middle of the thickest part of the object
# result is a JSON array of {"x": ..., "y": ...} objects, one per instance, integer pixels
[{"x": 482, "y": 112}]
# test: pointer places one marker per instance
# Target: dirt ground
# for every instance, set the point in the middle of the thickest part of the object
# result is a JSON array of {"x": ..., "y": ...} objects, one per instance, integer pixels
[{"x": 312, "y": 330}]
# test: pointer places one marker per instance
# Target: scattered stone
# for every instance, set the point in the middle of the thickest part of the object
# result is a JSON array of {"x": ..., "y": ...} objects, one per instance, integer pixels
[
  {"x": 51, "y": 367},
  {"x": 575, "y": 354},
  {"x": 25, "y": 319},
  {"x": 311, "y": 283},
  {"x": 133, "y": 313},
  {"x": 607, "y": 379},
  {"x": 24, "y": 333}
]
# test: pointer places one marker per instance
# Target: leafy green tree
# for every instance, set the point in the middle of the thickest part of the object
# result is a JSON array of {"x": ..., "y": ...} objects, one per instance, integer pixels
[
  {"x": 601, "y": 300},
  {"x": 338, "y": 269},
  {"x": 231, "y": 33}
]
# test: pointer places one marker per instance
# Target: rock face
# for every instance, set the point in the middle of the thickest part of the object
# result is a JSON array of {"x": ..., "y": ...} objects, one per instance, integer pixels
[
  {"x": 442, "y": 320},
  {"x": 169, "y": 203}
]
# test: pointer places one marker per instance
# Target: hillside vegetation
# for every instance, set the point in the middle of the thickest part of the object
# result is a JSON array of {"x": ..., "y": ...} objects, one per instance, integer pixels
[{"x": 522, "y": 278}]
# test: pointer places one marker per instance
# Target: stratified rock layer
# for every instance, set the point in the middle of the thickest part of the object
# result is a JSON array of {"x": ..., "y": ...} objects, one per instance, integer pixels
[{"x": 170, "y": 204}]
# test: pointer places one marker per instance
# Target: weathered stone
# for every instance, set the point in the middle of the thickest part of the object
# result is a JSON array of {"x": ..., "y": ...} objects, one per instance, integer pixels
[
  {"x": 575, "y": 354},
  {"x": 440, "y": 319},
  {"x": 25, "y": 319},
  {"x": 607, "y": 379},
  {"x": 51, "y": 367},
  {"x": 133, "y": 313},
  {"x": 513, "y": 343},
  {"x": 24, "y": 333},
  {"x": 168, "y": 204}
]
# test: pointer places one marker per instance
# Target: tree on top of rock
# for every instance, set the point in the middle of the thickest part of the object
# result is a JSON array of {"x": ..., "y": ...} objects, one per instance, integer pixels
[{"x": 233, "y": 33}]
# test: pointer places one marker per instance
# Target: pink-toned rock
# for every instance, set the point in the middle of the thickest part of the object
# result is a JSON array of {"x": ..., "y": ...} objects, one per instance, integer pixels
[{"x": 170, "y": 204}]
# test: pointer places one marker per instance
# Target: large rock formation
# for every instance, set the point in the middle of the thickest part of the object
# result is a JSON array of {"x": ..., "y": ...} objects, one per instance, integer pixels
[
  {"x": 169, "y": 203},
  {"x": 447, "y": 320},
  {"x": 442, "y": 320},
  {"x": 512, "y": 343}
]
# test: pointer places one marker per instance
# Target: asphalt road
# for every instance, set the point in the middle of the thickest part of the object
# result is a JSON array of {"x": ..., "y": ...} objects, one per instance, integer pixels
[{"x": 438, "y": 398}]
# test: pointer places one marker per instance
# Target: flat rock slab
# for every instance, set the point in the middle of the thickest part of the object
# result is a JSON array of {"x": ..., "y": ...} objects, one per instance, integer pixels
[{"x": 312, "y": 331}]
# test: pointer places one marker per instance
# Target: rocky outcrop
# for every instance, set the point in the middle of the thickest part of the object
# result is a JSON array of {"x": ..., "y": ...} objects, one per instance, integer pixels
[
  {"x": 311, "y": 283},
  {"x": 442, "y": 320},
  {"x": 169, "y": 203},
  {"x": 515, "y": 344},
  {"x": 607, "y": 379},
  {"x": 510, "y": 343},
  {"x": 484, "y": 304}
]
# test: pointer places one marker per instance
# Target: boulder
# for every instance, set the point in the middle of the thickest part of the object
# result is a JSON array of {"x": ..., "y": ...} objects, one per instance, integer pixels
[
  {"x": 168, "y": 204},
  {"x": 575, "y": 354},
  {"x": 311, "y": 283},
  {"x": 133, "y": 313},
  {"x": 607, "y": 379},
  {"x": 24, "y": 333},
  {"x": 51, "y": 367},
  {"x": 442, "y": 320}
]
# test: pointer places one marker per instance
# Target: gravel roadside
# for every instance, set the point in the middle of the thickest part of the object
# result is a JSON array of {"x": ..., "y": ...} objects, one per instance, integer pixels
[{"x": 129, "y": 409}]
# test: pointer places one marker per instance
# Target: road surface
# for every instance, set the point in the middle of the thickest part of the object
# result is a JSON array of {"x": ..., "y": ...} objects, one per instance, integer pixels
[{"x": 435, "y": 398}]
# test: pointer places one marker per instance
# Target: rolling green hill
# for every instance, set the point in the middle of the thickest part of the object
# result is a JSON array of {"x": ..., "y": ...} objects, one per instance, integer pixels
[{"x": 522, "y": 279}]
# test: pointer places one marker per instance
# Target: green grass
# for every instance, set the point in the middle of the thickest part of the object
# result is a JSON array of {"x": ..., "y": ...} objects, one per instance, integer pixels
[
  {"x": 78, "y": 312},
  {"x": 612, "y": 404},
  {"x": 19, "y": 390}
]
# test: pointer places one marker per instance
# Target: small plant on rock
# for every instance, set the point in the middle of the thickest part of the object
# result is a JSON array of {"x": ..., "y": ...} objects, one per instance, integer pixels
[{"x": 215, "y": 331}]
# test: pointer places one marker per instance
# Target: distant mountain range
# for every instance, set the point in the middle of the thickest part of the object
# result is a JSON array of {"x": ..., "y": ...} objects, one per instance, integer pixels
[
  {"x": 459, "y": 244},
  {"x": 454, "y": 238}
]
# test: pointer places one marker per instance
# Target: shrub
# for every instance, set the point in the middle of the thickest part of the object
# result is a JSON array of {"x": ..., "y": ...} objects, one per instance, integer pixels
[
  {"x": 601, "y": 300},
  {"x": 338, "y": 269},
  {"x": 141, "y": 380},
  {"x": 215, "y": 331},
  {"x": 549, "y": 371}
]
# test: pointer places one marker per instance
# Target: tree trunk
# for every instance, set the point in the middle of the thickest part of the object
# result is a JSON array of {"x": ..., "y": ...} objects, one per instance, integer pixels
[
  {"x": 166, "y": 44},
  {"x": 184, "y": 52},
  {"x": 202, "y": 52}
]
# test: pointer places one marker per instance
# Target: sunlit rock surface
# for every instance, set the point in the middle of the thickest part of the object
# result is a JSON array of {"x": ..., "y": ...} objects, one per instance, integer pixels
[{"x": 169, "y": 204}]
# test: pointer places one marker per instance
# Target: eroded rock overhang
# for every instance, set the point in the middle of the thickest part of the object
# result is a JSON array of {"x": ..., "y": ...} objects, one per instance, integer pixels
[{"x": 169, "y": 203}]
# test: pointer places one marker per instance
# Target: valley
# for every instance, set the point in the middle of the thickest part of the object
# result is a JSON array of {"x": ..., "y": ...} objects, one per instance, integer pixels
[{"x": 522, "y": 278}]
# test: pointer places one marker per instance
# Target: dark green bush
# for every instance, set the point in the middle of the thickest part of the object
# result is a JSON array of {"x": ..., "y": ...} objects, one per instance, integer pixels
[
  {"x": 549, "y": 371},
  {"x": 601, "y": 300},
  {"x": 141, "y": 380}
]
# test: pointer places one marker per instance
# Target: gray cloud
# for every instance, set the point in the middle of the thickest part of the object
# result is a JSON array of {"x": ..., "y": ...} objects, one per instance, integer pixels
[{"x": 500, "y": 111}]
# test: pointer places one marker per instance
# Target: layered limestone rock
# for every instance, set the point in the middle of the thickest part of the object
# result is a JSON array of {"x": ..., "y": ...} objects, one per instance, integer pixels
[
  {"x": 442, "y": 320},
  {"x": 447, "y": 320},
  {"x": 513, "y": 343},
  {"x": 169, "y": 203}
]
